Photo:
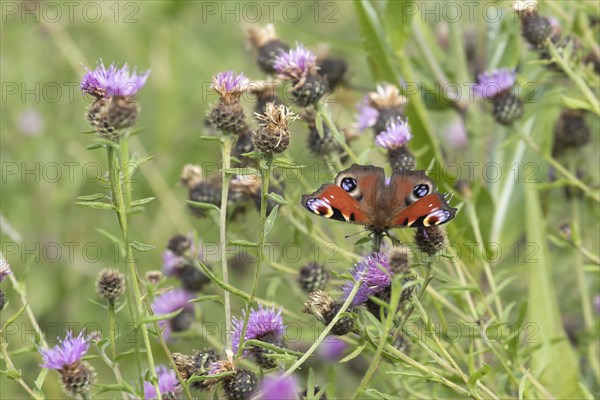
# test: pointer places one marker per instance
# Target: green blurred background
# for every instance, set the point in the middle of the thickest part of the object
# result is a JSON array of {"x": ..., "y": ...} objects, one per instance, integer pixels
[{"x": 53, "y": 245}]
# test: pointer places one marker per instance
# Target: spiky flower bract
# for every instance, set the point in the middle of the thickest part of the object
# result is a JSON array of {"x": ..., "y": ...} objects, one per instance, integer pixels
[
  {"x": 170, "y": 302},
  {"x": 374, "y": 270},
  {"x": 278, "y": 387},
  {"x": 262, "y": 322},
  {"x": 69, "y": 351},
  {"x": 491, "y": 84},
  {"x": 273, "y": 135},
  {"x": 167, "y": 384},
  {"x": 112, "y": 82},
  {"x": 396, "y": 134}
]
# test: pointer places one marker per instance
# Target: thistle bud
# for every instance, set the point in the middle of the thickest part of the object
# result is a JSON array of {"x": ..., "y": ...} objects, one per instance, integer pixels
[
  {"x": 313, "y": 277},
  {"x": 110, "y": 284},
  {"x": 430, "y": 240}
]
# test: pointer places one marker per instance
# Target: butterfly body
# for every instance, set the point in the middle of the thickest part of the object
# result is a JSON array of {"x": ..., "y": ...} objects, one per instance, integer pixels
[{"x": 362, "y": 195}]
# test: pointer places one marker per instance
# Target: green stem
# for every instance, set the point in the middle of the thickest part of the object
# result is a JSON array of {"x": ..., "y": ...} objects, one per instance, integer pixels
[
  {"x": 323, "y": 112},
  {"x": 114, "y": 171},
  {"x": 576, "y": 78},
  {"x": 573, "y": 180},
  {"x": 265, "y": 175},
  {"x": 583, "y": 290},
  {"x": 11, "y": 366},
  {"x": 326, "y": 331},
  {"x": 227, "y": 142}
]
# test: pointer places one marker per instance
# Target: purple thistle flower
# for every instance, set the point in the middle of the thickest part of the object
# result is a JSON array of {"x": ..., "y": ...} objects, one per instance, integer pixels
[
  {"x": 367, "y": 115},
  {"x": 171, "y": 262},
  {"x": 113, "y": 81},
  {"x": 332, "y": 348},
  {"x": 170, "y": 302},
  {"x": 4, "y": 269},
  {"x": 375, "y": 272},
  {"x": 492, "y": 84},
  {"x": 228, "y": 83},
  {"x": 397, "y": 134},
  {"x": 261, "y": 322},
  {"x": 68, "y": 352},
  {"x": 276, "y": 387},
  {"x": 295, "y": 64},
  {"x": 167, "y": 383}
]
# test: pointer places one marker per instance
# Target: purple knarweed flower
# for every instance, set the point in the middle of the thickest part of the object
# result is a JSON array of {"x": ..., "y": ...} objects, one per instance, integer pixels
[
  {"x": 4, "y": 269},
  {"x": 119, "y": 82},
  {"x": 228, "y": 83},
  {"x": 172, "y": 263},
  {"x": 332, "y": 349},
  {"x": 167, "y": 383},
  {"x": 68, "y": 352},
  {"x": 397, "y": 134},
  {"x": 492, "y": 84},
  {"x": 265, "y": 321},
  {"x": 276, "y": 387},
  {"x": 374, "y": 270},
  {"x": 367, "y": 115},
  {"x": 296, "y": 64},
  {"x": 170, "y": 302}
]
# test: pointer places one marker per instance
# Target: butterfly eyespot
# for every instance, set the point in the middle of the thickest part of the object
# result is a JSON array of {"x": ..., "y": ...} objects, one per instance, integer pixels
[
  {"x": 421, "y": 191},
  {"x": 348, "y": 184},
  {"x": 437, "y": 217}
]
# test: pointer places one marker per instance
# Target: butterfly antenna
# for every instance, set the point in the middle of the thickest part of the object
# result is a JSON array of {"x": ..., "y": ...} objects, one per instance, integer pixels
[{"x": 354, "y": 234}]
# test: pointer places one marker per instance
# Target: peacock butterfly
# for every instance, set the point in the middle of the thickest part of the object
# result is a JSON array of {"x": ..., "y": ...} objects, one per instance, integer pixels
[{"x": 362, "y": 195}]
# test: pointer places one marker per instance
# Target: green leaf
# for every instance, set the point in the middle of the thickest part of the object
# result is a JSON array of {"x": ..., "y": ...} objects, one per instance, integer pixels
[
  {"x": 211, "y": 138},
  {"x": 254, "y": 154},
  {"x": 92, "y": 197},
  {"x": 277, "y": 198},
  {"x": 242, "y": 243},
  {"x": 202, "y": 299},
  {"x": 11, "y": 373},
  {"x": 162, "y": 317},
  {"x": 94, "y": 146},
  {"x": 375, "y": 43},
  {"x": 125, "y": 354},
  {"x": 477, "y": 375},
  {"x": 241, "y": 171},
  {"x": 142, "y": 201},
  {"x": 357, "y": 352},
  {"x": 203, "y": 206},
  {"x": 120, "y": 387},
  {"x": 271, "y": 220},
  {"x": 200, "y": 378},
  {"x": 269, "y": 346},
  {"x": 362, "y": 240},
  {"x": 96, "y": 205},
  {"x": 12, "y": 319},
  {"x": 574, "y": 103},
  {"x": 141, "y": 246},
  {"x": 554, "y": 363},
  {"x": 286, "y": 164}
]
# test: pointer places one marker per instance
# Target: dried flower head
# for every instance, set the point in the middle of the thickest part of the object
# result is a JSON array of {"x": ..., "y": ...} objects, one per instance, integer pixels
[
  {"x": 267, "y": 43},
  {"x": 278, "y": 387},
  {"x": 170, "y": 302},
  {"x": 492, "y": 84},
  {"x": 167, "y": 384},
  {"x": 526, "y": 6},
  {"x": 397, "y": 134},
  {"x": 322, "y": 306},
  {"x": 191, "y": 175},
  {"x": 218, "y": 367},
  {"x": 273, "y": 135},
  {"x": 110, "y": 284},
  {"x": 387, "y": 95},
  {"x": 112, "y": 82},
  {"x": 374, "y": 270}
]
